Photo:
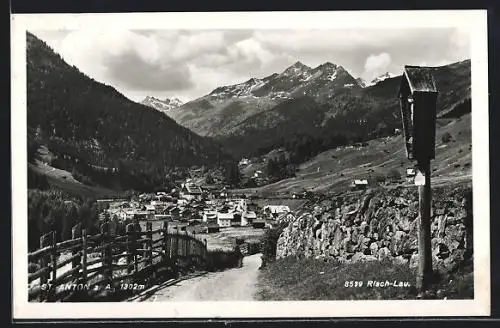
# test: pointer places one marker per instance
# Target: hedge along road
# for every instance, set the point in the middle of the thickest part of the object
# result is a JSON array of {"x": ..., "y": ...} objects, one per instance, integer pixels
[{"x": 238, "y": 284}]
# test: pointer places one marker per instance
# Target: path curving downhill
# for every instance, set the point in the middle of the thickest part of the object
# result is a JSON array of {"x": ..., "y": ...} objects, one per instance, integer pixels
[{"x": 238, "y": 284}]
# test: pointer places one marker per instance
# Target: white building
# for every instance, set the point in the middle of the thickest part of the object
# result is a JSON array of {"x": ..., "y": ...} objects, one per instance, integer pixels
[
  {"x": 209, "y": 216},
  {"x": 224, "y": 219},
  {"x": 120, "y": 213},
  {"x": 359, "y": 184},
  {"x": 275, "y": 210},
  {"x": 150, "y": 208}
]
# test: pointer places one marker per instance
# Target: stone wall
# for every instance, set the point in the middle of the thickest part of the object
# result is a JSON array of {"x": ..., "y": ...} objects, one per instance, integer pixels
[{"x": 379, "y": 224}]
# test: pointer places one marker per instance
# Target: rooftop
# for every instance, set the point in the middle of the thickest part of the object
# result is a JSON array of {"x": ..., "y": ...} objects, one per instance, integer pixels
[{"x": 418, "y": 79}]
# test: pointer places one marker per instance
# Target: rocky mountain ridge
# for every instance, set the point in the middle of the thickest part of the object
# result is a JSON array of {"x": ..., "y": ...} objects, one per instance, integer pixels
[
  {"x": 227, "y": 106},
  {"x": 162, "y": 105},
  {"x": 324, "y": 103}
]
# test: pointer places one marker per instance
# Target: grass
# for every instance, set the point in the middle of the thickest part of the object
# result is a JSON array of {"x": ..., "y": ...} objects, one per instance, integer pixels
[
  {"x": 310, "y": 279},
  {"x": 338, "y": 167}
]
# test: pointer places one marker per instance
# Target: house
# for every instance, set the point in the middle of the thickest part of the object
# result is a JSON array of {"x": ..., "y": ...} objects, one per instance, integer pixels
[
  {"x": 224, "y": 219},
  {"x": 191, "y": 191},
  {"x": 143, "y": 215},
  {"x": 248, "y": 218},
  {"x": 274, "y": 210},
  {"x": 210, "y": 191},
  {"x": 118, "y": 212},
  {"x": 150, "y": 208},
  {"x": 240, "y": 204},
  {"x": 182, "y": 202},
  {"x": 244, "y": 161},
  {"x": 163, "y": 217},
  {"x": 209, "y": 216},
  {"x": 359, "y": 184},
  {"x": 259, "y": 224},
  {"x": 410, "y": 175},
  {"x": 211, "y": 228}
]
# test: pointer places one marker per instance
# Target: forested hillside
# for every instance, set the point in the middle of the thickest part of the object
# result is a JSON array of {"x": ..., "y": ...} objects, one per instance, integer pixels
[
  {"x": 307, "y": 125},
  {"x": 98, "y": 133}
]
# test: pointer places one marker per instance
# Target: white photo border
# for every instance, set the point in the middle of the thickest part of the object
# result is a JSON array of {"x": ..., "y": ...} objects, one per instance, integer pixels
[{"x": 473, "y": 20}]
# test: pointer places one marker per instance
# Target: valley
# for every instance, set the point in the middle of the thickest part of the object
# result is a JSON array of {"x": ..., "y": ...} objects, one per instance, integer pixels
[{"x": 305, "y": 167}]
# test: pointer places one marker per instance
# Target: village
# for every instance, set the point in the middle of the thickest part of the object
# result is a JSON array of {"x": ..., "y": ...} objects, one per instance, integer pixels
[{"x": 204, "y": 209}]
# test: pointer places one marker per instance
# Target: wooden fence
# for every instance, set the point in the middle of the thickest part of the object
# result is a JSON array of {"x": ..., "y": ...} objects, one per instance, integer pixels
[{"x": 102, "y": 264}]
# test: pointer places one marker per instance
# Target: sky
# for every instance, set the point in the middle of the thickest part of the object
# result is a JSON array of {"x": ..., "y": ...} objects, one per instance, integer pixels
[{"x": 188, "y": 64}]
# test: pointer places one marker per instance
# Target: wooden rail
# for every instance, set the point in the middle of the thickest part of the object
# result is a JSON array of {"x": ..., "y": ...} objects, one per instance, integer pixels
[{"x": 104, "y": 263}]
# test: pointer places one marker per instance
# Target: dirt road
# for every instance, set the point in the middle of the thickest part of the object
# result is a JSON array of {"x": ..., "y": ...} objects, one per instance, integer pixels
[{"x": 230, "y": 285}]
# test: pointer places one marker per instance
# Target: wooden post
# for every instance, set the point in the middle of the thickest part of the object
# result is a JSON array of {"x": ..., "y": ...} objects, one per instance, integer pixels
[
  {"x": 53, "y": 258},
  {"x": 82, "y": 279},
  {"x": 76, "y": 232},
  {"x": 186, "y": 243},
  {"x": 165, "y": 241},
  {"x": 149, "y": 247},
  {"x": 135, "y": 244},
  {"x": 130, "y": 246},
  {"x": 44, "y": 261},
  {"x": 107, "y": 268},
  {"x": 84, "y": 256},
  {"x": 424, "y": 228}
]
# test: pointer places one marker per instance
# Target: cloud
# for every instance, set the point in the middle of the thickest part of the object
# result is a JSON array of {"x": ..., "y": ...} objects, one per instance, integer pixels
[
  {"x": 191, "y": 63},
  {"x": 132, "y": 72},
  {"x": 376, "y": 65}
]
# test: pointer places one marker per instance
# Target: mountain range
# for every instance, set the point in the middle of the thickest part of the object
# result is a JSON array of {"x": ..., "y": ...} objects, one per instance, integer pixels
[
  {"x": 162, "y": 105},
  {"x": 325, "y": 104},
  {"x": 362, "y": 83},
  {"x": 93, "y": 130},
  {"x": 219, "y": 112},
  {"x": 89, "y": 126}
]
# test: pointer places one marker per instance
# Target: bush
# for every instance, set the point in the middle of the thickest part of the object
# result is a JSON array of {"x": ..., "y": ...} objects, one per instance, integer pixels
[{"x": 270, "y": 242}]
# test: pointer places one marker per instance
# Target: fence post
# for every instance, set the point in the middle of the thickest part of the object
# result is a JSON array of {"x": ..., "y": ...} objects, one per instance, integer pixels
[
  {"x": 165, "y": 241},
  {"x": 53, "y": 258},
  {"x": 76, "y": 232},
  {"x": 135, "y": 245},
  {"x": 84, "y": 256},
  {"x": 107, "y": 263},
  {"x": 149, "y": 236},
  {"x": 149, "y": 247},
  {"x": 130, "y": 246},
  {"x": 186, "y": 244},
  {"x": 205, "y": 252},
  {"x": 44, "y": 261},
  {"x": 176, "y": 251}
]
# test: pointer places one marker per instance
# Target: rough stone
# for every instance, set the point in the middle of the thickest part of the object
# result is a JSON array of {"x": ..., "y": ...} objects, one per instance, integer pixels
[
  {"x": 374, "y": 248},
  {"x": 383, "y": 253},
  {"x": 386, "y": 225},
  {"x": 414, "y": 261}
]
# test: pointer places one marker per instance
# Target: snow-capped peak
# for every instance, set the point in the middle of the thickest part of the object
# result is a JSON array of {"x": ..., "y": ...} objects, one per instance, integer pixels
[
  {"x": 380, "y": 78},
  {"x": 162, "y": 105},
  {"x": 238, "y": 90},
  {"x": 296, "y": 68}
]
